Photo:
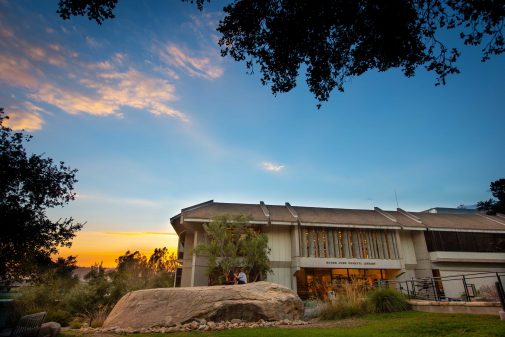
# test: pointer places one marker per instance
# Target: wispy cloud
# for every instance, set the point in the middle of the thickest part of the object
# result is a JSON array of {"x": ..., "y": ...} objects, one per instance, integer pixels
[
  {"x": 193, "y": 66},
  {"x": 17, "y": 71},
  {"x": 136, "y": 202},
  {"x": 272, "y": 167},
  {"x": 92, "y": 42},
  {"x": 100, "y": 88},
  {"x": 24, "y": 118},
  {"x": 139, "y": 233}
]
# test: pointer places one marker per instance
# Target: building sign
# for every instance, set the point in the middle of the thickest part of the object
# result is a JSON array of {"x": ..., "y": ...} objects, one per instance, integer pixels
[{"x": 310, "y": 262}]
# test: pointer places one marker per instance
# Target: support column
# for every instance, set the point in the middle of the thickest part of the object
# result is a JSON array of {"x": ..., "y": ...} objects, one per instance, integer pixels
[{"x": 193, "y": 264}]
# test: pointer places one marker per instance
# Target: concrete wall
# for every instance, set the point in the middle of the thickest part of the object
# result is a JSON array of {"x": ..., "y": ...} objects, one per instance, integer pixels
[
  {"x": 468, "y": 257},
  {"x": 281, "y": 245},
  {"x": 281, "y": 276},
  {"x": 407, "y": 251},
  {"x": 187, "y": 260},
  {"x": 479, "y": 308},
  {"x": 423, "y": 267},
  {"x": 454, "y": 288},
  {"x": 279, "y": 241}
]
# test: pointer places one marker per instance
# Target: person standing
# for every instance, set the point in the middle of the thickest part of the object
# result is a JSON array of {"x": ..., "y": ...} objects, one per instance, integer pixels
[{"x": 242, "y": 277}]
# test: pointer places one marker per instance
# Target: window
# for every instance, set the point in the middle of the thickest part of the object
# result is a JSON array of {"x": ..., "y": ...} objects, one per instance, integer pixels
[
  {"x": 328, "y": 242},
  {"x": 465, "y": 242}
]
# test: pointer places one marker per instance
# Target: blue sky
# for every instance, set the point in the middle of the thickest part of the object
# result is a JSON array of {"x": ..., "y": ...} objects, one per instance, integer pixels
[{"x": 155, "y": 120}]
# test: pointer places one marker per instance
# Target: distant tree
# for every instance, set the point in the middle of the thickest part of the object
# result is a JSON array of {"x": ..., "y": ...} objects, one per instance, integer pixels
[
  {"x": 48, "y": 290},
  {"x": 230, "y": 243},
  {"x": 163, "y": 261},
  {"x": 29, "y": 185},
  {"x": 497, "y": 188},
  {"x": 92, "y": 297},
  {"x": 336, "y": 40},
  {"x": 135, "y": 271}
]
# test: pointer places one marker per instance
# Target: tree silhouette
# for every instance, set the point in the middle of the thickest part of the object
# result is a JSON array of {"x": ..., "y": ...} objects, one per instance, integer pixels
[
  {"x": 29, "y": 185},
  {"x": 336, "y": 40},
  {"x": 497, "y": 188}
]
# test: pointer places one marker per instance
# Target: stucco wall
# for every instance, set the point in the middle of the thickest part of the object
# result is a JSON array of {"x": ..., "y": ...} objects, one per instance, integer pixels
[
  {"x": 479, "y": 308},
  {"x": 423, "y": 268},
  {"x": 279, "y": 241},
  {"x": 187, "y": 261},
  {"x": 454, "y": 288},
  {"x": 281, "y": 276},
  {"x": 407, "y": 252}
]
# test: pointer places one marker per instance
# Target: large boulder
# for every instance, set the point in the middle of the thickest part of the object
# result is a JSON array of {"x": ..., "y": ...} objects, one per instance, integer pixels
[{"x": 165, "y": 307}]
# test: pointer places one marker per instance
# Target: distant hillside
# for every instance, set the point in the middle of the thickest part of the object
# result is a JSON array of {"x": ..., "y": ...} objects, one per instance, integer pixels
[{"x": 80, "y": 272}]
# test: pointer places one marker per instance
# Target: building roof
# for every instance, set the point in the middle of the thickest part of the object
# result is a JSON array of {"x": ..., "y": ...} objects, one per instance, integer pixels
[
  {"x": 286, "y": 214},
  {"x": 340, "y": 216},
  {"x": 473, "y": 210},
  {"x": 461, "y": 221}
]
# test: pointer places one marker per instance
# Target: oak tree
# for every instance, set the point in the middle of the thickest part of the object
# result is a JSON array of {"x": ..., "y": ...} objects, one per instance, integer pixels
[
  {"x": 29, "y": 186},
  {"x": 497, "y": 205},
  {"x": 335, "y": 40}
]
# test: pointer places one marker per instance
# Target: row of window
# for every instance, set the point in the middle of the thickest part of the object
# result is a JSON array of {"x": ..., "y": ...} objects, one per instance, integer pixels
[
  {"x": 465, "y": 242},
  {"x": 349, "y": 243}
]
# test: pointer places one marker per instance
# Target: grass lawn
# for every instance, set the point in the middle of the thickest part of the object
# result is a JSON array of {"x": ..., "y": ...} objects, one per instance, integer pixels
[{"x": 409, "y": 324}]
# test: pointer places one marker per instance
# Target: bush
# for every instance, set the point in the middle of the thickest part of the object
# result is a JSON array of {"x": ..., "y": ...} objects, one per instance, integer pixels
[
  {"x": 58, "y": 315},
  {"x": 387, "y": 300},
  {"x": 340, "y": 309},
  {"x": 77, "y": 322},
  {"x": 100, "y": 317},
  {"x": 349, "y": 302},
  {"x": 312, "y": 308}
]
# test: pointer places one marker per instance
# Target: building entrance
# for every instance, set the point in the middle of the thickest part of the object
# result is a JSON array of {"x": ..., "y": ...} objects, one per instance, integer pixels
[{"x": 318, "y": 282}]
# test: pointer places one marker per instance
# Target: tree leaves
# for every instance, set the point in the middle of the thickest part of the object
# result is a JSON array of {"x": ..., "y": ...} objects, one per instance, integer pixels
[
  {"x": 493, "y": 206},
  {"x": 29, "y": 185},
  {"x": 333, "y": 41},
  {"x": 231, "y": 243}
]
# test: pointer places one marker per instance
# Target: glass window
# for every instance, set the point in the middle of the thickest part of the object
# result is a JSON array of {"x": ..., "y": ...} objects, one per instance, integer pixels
[
  {"x": 327, "y": 242},
  {"x": 465, "y": 242},
  {"x": 345, "y": 244},
  {"x": 323, "y": 246},
  {"x": 371, "y": 248},
  {"x": 311, "y": 242},
  {"x": 394, "y": 244},
  {"x": 387, "y": 250},
  {"x": 331, "y": 244},
  {"x": 338, "y": 243}
]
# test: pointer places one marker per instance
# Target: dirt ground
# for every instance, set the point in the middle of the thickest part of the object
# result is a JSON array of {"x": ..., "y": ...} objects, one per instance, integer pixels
[{"x": 314, "y": 323}]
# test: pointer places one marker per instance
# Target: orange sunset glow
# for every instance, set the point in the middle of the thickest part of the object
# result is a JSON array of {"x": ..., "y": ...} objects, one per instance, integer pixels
[{"x": 106, "y": 247}]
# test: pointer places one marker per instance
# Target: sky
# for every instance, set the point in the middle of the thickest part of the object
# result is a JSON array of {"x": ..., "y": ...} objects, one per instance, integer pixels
[{"x": 155, "y": 120}]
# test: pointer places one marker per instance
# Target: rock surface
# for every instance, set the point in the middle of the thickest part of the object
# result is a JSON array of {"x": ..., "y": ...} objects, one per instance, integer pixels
[
  {"x": 49, "y": 329},
  {"x": 168, "y": 307}
]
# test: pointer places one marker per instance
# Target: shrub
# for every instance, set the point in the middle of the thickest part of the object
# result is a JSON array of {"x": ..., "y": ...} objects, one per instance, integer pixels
[
  {"x": 340, "y": 309},
  {"x": 349, "y": 302},
  {"x": 99, "y": 317},
  {"x": 77, "y": 322},
  {"x": 387, "y": 300},
  {"x": 58, "y": 315},
  {"x": 312, "y": 308}
]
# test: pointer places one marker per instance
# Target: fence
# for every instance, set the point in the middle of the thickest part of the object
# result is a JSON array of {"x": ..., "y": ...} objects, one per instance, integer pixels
[{"x": 485, "y": 286}]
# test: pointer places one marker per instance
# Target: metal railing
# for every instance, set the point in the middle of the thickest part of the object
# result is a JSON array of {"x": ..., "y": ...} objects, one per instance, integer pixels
[{"x": 463, "y": 287}]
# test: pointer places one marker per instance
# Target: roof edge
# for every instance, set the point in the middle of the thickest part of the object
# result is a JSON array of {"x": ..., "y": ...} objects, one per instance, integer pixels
[{"x": 190, "y": 208}]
